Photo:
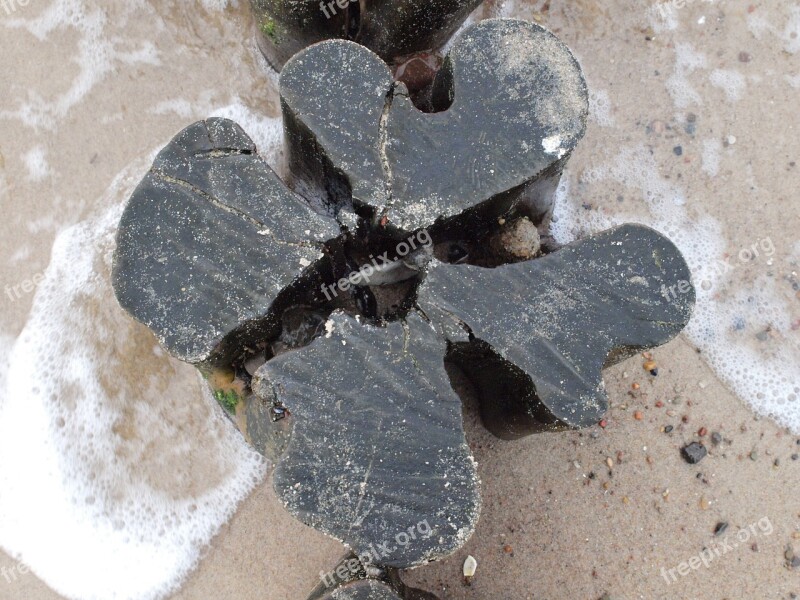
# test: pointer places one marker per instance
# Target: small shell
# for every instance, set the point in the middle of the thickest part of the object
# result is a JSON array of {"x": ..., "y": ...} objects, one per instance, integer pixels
[{"x": 470, "y": 566}]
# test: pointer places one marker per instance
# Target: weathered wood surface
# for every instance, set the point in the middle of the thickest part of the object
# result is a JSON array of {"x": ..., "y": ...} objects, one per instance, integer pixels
[
  {"x": 209, "y": 241},
  {"x": 378, "y": 457},
  {"x": 391, "y": 28},
  {"x": 512, "y": 106},
  {"x": 541, "y": 331}
]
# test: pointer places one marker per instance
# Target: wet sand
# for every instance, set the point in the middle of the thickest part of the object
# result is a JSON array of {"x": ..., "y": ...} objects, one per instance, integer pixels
[{"x": 560, "y": 520}]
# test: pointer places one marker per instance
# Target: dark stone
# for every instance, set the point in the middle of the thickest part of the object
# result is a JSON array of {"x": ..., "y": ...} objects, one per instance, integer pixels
[
  {"x": 390, "y": 28},
  {"x": 378, "y": 454},
  {"x": 534, "y": 336},
  {"x": 720, "y": 528},
  {"x": 211, "y": 248},
  {"x": 511, "y": 106},
  {"x": 693, "y": 453}
]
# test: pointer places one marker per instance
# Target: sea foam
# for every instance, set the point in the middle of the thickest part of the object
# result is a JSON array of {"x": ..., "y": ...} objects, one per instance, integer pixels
[
  {"x": 116, "y": 464},
  {"x": 730, "y": 313}
]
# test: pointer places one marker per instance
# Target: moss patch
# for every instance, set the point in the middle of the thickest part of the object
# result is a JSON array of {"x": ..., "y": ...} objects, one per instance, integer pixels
[
  {"x": 228, "y": 399},
  {"x": 269, "y": 29}
]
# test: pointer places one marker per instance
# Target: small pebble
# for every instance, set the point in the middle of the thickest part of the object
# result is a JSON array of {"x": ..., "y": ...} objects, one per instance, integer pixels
[
  {"x": 716, "y": 438},
  {"x": 704, "y": 503},
  {"x": 693, "y": 453},
  {"x": 668, "y": 429},
  {"x": 753, "y": 455},
  {"x": 721, "y": 527},
  {"x": 745, "y": 57},
  {"x": 678, "y": 150},
  {"x": 638, "y": 415},
  {"x": 702, "y": 432}
]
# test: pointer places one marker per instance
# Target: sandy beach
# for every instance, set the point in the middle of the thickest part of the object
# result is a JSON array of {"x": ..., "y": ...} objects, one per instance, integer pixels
[{"x": 693, "y": 130}]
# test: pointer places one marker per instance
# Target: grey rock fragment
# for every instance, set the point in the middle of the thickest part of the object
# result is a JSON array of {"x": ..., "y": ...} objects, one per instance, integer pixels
[{"x": 693, "y": 453}]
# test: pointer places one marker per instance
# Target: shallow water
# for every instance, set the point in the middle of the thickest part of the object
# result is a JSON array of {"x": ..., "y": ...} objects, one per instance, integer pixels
[{"x": 115, "y": 469}]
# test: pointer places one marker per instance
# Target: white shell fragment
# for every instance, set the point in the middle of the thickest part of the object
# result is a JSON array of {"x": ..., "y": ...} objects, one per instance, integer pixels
[{"x": 470, "y": 566}]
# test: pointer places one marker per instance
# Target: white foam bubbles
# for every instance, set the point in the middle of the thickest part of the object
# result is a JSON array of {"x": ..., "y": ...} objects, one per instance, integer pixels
[
  {"x": 36, "y": 163},
  {"x": 789, "y": 34},
  {"x": 116, "y": 465},
  {"x": 600, "y": 107},
  {"x": 793, "y": 80},
  {"x": 96, "y": 55},
  {"x": 733, "y": 312},
  {"x": 731, "y": 82},
  {"x": 218, "y": 5},
  {"x": 712, "y": 148},
  {"x": 662, "y": 16},
  {"x": 687, "y": 61}
]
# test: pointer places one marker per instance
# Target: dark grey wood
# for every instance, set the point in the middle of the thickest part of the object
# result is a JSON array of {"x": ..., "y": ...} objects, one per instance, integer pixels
[
  {"x": 391, "y": 28},
  {"x": 212, "y": 247},
  {"x": 512, "y": 105},
  {"x": 348, "y": 392},
  {"x": 349, "y": 580},
  {"x": 534, "y": 336},
  {"x": 285, "y": 27},
  {"x": 377, "y": 457}
]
